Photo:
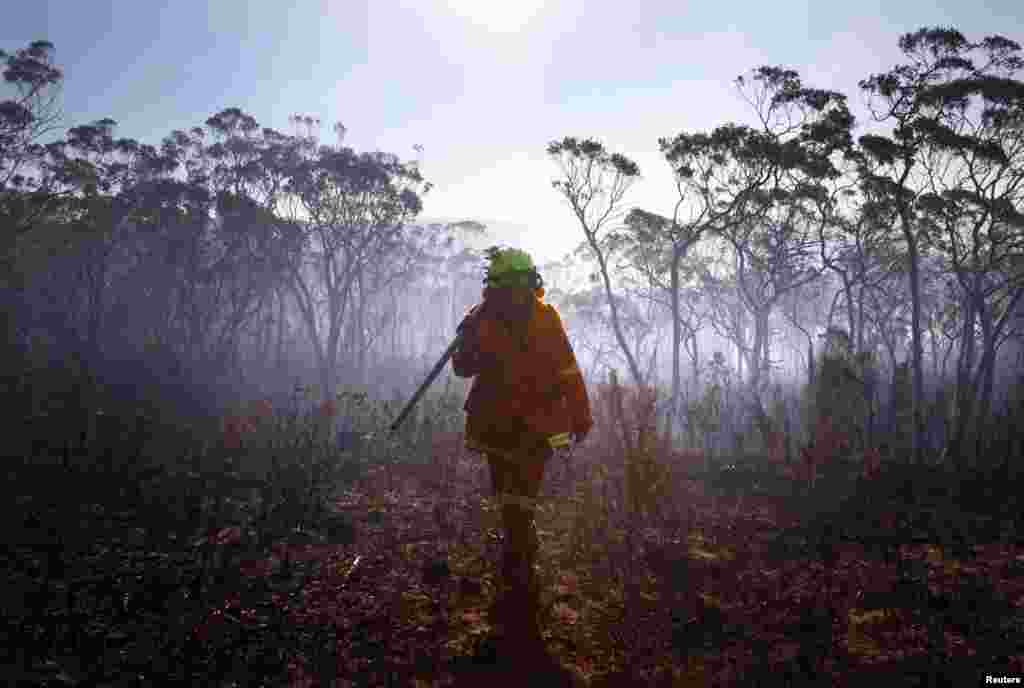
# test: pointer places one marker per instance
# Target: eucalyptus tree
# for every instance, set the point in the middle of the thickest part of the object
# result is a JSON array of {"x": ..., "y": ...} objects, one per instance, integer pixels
[
  {"x": 944, "y": 105},
  {"x": 586, "y": 320},
  {"x": 419, "y": 256},
  {"x": 658, "y": 248},
  {"x": 448, "y": 272},
  {"x": 887, "y": 312},
  {"x": 726, "y": 314},
  {"x": 125, "y": 189},
  {"x": 974, "y": 213},
  {"x": 212, "y": 259},
  {"x": 594, "y": 182},
  {"x": 943, "y": 324},
  {"x": 854, "y": 241},
  {"x": 28, "y": 116},
  {"x": 192, "y": 257},
  {"x": 721, "y": 179},
  {"x": 30, "y": 190},
  {"x": 759, "y": 188},
  {"x": 353, "y": 209},
  {"x": 805, "y": 309},
  {"x": 81, "y": 236},
  {"x": 589, "y": 325}
]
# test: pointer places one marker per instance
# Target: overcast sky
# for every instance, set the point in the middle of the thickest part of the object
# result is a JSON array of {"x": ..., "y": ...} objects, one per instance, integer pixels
[{"x": 482, "y": 85}]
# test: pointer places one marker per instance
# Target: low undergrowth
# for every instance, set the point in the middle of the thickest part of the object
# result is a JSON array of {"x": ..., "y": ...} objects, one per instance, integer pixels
[{"x": 282, "y": 554}]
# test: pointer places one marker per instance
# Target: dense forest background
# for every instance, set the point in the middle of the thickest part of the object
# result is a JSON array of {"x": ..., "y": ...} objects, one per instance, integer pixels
[
  {"x": 230, "y": 260},
  {"x": 828, "y": 297}
]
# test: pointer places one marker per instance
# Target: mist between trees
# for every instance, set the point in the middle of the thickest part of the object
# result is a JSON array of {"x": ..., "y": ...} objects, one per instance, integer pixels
[
  {"x": 210, "y": 334},
  {"x": 808, "y": 272}
]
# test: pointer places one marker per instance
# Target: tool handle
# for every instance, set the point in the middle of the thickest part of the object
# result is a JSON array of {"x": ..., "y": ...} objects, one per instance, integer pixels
[
  {"x": 466, "y": 325},
  {"x": 431, "y": 376}
]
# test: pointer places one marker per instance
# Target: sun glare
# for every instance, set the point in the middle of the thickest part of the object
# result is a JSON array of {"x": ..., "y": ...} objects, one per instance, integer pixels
[{"x": 496, "y": 16}]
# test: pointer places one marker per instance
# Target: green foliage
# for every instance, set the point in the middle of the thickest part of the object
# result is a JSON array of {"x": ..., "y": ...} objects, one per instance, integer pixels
[
  {"x": 837, "y": 395},
  {"x": 647, "y": 478},
  {"x": 593, "y": 152},
  {"x": 705, "y": 413}
]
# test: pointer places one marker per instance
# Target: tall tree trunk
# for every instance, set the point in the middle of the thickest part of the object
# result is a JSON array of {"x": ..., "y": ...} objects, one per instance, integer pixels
[
  {"x": 757, "y": 358},
  {"x": 851, "y": 310},
  {"x": 860, "y": 319},
  {"x": 676, "y": 339},
  {"x": 985, "y": 378},
  {"x": 634, "y": 369},
  {"x": 361, "y": 353},
  {"x": 986, "y": 374},
  {"x": 280, "y": 329},
  {"x": 810, "y": 361},
  {"x": 915, "y": 324},
  {"x": 869, "y": 371},
  {"x": 695, "y": 360},
  {"x": 964, "y": 391},
  {"x": 395, "y": 345},
  {"x": 741, "y": 339}
]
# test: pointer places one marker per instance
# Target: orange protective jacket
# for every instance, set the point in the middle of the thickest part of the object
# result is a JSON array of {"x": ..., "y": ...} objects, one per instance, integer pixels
[{"x": 526, "y": 389}]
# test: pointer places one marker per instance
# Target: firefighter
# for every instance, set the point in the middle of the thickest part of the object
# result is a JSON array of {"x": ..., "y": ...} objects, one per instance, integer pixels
[{"x": 528, "y": 399}]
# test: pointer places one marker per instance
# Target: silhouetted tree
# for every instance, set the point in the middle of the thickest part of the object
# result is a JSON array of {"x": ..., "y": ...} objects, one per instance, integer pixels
[
  {"x": 355, "y": 207},
  {"x": 594, "y": 183},
  {"x": 926, "y": 100}
]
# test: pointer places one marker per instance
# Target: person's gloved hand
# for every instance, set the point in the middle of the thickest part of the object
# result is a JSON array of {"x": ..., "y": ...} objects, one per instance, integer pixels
[
  {"x": 467, "y": 322},
  {"x": 472, "y": 318}
]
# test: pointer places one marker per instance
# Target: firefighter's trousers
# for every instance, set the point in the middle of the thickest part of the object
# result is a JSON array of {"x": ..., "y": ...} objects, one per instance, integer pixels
[{"x": 515, "y": 480}]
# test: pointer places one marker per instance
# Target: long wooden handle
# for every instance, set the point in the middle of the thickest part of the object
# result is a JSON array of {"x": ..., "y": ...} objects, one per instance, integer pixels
[
  {"x": 475, "y": 316},
  {"x": 438, "y": 367}
]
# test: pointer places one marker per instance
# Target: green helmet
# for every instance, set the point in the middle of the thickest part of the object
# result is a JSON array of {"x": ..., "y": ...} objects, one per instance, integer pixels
[{"x": 511, "y": 267}]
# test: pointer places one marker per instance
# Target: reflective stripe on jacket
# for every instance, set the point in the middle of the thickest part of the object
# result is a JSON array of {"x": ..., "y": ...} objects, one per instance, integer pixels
[{"x": 527, "y": 387}]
